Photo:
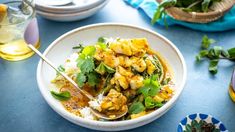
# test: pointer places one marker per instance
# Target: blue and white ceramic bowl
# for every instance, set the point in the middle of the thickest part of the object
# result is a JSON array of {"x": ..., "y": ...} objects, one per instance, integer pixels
[{"x": 198, "y": 117}]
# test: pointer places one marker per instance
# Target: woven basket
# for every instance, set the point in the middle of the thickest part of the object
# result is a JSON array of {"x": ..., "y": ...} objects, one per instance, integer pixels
[{"x": 217, "y": 10}]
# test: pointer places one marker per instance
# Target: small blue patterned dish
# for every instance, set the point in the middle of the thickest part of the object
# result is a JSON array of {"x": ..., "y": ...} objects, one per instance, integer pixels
[{"x": 197, "y": 120}]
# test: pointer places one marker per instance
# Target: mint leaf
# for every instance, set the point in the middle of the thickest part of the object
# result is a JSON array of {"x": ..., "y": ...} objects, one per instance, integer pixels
[
  {"x": 213, "y": 68},
  {"x": 215, "y": 52},
  {"x": 65, "y": 95},
  {"x": 206, "y": 42},
  {"x": 231, "y": 53},
  {"x": 81, "y": 79},
  {"x": 136, "y": 108},
  {"x": 203, "y": 53},
  {"x": 93, "y": 79}
]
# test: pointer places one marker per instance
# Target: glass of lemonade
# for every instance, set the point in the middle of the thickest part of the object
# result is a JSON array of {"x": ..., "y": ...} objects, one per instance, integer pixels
[{"x": 18, "y": 27}]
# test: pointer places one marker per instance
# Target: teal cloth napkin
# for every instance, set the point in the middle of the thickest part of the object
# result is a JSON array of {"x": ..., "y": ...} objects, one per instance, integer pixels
[{"x": 227, "y": 22}]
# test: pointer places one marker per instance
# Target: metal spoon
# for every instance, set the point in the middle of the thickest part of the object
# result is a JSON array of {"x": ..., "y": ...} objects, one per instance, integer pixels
[{"x": 89, "y": 96}]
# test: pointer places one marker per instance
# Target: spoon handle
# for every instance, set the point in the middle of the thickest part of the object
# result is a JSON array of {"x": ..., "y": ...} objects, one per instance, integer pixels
[{"x": 61, "y": 73}]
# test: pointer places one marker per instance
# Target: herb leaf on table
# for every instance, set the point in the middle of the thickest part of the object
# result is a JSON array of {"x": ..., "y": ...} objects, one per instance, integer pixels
[{"x": 214, "y": 54}]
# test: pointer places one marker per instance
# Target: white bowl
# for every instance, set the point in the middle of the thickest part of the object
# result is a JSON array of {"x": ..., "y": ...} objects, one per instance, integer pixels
[
  {"x": 68, "y": 17},
  {"x": 61, "y": 48},
  {"x": 77, "y": 7}
]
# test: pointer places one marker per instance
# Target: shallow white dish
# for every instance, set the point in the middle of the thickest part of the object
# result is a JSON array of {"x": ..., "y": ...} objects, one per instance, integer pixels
[
  {"x": 61, "y": 48},
  {"x": 79, "y": 5},
  {"x": 68, "y": 17}
]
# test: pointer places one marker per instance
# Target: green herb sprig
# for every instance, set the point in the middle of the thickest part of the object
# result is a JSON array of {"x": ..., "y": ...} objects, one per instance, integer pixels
[
  {"x": 214, "y": 54},
  {"x": 86, "y": 64}
]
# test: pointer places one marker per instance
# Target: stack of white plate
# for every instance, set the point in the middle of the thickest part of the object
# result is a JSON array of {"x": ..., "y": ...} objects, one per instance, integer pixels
[{"x": 68, "y": 10}]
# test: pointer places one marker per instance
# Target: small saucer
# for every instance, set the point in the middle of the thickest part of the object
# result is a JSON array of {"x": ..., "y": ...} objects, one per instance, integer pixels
[{"x": 185, "y": 123}]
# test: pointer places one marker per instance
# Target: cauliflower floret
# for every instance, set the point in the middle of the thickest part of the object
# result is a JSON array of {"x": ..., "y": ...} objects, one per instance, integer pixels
[
  {"x": 139, "y": 46},
  {"x": 114, "y": 101},
  {"x": 150, "y": 66},
  {"x": 138, "y": 64},
  {"x": 121, "y": 47},
  {"x": 124, "y": 61},
  {"x": 136, "y": 82},
  {"x": 124, "y": 72},
  {"x": 110, "y": 59},
  {"x": 123, "y": 82}
]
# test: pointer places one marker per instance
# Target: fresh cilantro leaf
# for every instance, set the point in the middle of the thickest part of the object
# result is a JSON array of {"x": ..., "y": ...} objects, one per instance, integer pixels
[
  {"x": 87, "y": 65},
  {"x": 136, "y": 108},
  {"x": 206, "y": 42},
  {"x": 93, "y": 79},
  {"x": 81, "y": 79},
  {"x": 149, "y": 102},
  {"x": 65, "y": 95},
  {"x": 213, "y": 68},
  {"x": 89, "y": 51},
  {"x": 151, "y": 86},
  {"x": 102, "y": 45}
]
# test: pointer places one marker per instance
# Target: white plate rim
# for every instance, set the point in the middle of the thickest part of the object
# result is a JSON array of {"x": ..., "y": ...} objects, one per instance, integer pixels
[
  {"x": 50, "y": 14},
  {"x": 69, "y": 8}
]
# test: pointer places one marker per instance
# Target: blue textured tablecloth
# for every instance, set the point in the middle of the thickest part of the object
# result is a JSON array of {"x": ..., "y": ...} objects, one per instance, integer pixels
[{"x": 227, "y": 22}]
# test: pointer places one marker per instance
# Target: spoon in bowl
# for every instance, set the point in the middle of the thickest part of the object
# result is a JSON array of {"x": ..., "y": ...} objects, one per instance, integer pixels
[{"x": 89, "y": 96}]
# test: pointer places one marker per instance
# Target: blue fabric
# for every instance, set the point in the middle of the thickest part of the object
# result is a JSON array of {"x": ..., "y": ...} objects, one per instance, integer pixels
[{"x": 227, "y": 22}]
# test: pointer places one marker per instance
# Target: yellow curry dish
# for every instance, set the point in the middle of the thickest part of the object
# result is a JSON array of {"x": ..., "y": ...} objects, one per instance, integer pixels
[{"x": 120, "y": 73}]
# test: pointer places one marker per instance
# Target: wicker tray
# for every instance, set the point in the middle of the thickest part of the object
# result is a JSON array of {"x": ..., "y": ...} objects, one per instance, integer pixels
[{"x": 217, "y": 10}]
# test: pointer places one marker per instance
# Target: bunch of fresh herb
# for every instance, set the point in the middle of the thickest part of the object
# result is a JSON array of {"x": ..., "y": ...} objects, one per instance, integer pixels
[
  {"x": 185, "y": 5},
  {"x": 214, "y": 54}
]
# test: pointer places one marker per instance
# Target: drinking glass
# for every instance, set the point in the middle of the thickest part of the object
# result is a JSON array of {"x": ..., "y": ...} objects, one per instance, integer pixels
[{"x": 18, "y": 27}]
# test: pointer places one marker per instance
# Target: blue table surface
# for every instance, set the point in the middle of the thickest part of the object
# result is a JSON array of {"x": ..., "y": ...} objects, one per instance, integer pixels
[{"x": 23, "y": 109}]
